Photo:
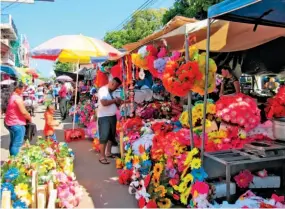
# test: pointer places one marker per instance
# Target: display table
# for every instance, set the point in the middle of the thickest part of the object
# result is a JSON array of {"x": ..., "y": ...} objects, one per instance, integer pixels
[{"x": 229, "y": 163}]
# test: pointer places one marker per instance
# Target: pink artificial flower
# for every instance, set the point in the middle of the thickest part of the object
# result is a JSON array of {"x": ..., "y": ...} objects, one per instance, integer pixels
[
  {"x": 200, "y": 187},
  {"x": 244, "y": 178}
]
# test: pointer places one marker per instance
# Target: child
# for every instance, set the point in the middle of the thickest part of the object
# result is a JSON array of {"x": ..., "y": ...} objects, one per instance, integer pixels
[{"x": 50, "y": 123}]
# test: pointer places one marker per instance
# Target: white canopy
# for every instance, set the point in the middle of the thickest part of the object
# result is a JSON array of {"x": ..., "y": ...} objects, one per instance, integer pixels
[{"x": 225, "y": 36}]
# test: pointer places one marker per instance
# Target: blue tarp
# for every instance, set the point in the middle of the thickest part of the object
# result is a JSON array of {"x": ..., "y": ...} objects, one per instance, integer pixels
[{"x": 260, "y": 12}]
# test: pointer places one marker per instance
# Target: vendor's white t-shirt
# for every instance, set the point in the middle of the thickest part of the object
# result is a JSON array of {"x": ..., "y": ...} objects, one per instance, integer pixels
[{"x": 104, "y": 111}]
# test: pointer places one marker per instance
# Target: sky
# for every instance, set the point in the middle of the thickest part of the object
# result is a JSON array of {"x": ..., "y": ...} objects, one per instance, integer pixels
[{"x": 42, "y": 21}]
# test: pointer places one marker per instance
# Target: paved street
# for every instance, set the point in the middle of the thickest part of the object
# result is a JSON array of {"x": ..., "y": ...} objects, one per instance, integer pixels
[{"x": 102, "y": 189}]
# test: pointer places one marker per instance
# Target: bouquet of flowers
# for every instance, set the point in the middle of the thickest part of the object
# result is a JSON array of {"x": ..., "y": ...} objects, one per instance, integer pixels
[
  {"x": 276, "y": 105},
  {"x": 179, "y": 80},
  {"x": 239, "y": 110}
]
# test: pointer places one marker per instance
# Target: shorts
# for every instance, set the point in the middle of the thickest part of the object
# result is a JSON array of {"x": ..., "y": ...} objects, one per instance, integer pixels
[
  {"x": 53, "y": 137},
  {"x": 107, "y": 129}
]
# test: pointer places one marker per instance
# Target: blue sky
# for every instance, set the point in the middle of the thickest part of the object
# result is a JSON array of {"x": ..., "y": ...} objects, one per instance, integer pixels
[{"x": 44, "y": 20}]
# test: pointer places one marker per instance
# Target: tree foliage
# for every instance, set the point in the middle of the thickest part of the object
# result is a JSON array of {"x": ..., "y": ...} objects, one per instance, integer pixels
[
  {"x": 142, "y": 24},
  {"x": 66, "y": 67},
  {"x": 189, "y": 8}
]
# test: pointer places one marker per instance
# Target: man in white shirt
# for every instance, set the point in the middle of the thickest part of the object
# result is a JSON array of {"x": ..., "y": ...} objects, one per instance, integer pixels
[{"x": 107, "y": 121}]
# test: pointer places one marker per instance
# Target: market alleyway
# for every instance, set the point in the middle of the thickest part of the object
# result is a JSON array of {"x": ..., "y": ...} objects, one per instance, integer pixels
[{"x": 102, "y": 189}]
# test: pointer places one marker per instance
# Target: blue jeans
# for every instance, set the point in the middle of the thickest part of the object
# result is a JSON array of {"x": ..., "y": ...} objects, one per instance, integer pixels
[{"x": 17, "y": 134}]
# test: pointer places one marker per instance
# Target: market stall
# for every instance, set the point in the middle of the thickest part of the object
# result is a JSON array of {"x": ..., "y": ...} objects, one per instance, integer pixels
[{"x": 160, "y": 167}]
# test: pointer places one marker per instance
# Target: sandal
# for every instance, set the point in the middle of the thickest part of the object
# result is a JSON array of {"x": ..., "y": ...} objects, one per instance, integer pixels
[
  {"x": 111, "y": 156},
  {"x": 104, "y": 161}
]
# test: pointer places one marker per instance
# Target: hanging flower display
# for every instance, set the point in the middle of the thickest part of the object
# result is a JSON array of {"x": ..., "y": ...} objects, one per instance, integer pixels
[
  {"x": 276, "y": 105},
  {"x": 240, "y": 110},
  {"x": 179, "y": 80},
  {"x": 139, "y": 61}
]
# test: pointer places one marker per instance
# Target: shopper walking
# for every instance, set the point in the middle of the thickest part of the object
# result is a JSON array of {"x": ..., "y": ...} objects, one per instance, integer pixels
[
  {"x": 15, "y": 119},
  {"x": 63, "y": 101},
  {"x": 107, "y": 108}
]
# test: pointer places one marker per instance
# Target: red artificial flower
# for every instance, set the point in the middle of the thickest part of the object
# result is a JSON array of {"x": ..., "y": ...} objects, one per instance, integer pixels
[
  {"x": 151, "y": 204},
  {"x": 244, "y": 178},
  {"x": 141, "y": 202},
  {"x": 173, "y": 181},
  {"x": 277, "y": 198},
  {"x": 200, "y": 187},
  {"x": 152, "y": 50},
  {"x": 147, "y": 180},
  {"x": 176, "y": 196}
]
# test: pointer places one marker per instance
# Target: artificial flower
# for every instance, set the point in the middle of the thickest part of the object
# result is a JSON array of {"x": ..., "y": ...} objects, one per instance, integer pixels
[
  {"x": 188, "y": 178},
  {"x": 184, "y": 196},
  {"x": 11, "y": 174},
  {"x": 199, "y": 174},
  {"x": 244, "y": 178},
  {"x": 196, "y": 163},
  {"x": 144, "y": 156},
  {"x": 19, "y": 205},
  {"x": 164, "y": 203},
  {"x": 158, "y": 168},
  {"x": 155, "y": 180},
  {"x": 200, "y": 188},
  {"x": 173, "y": 182},
  {"x": 262, "y": 173},
  {"x": 21, "y": 189},
  {"x": 119, "y": 163},
  {"x": 129, "y": 165},
  {"x": 161, "y": 190}
]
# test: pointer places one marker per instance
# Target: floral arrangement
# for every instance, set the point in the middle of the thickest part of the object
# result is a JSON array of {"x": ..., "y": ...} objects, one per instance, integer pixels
[
  {"x": 197, "y": 113},
  {"x": 86, "y": 111},
  {"x": 239, "y": 110},
  {"x": 139, "y": 61},
  {"x": 180, "y": 80},
  {"x": 47, "y": 158},
  {"x": 276, "y": 105}
]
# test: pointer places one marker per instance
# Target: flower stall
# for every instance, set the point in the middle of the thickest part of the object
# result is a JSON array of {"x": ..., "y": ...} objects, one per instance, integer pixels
[
  {"x": 40, "y": 176},
  {"x": 159, "y": 165}
]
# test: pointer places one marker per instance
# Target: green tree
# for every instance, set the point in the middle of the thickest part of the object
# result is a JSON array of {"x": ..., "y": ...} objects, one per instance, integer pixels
[
  {"x": 189, "y": 8},
  {"x": 142, "y": 24},
  {"x": 67, "y": 67}
]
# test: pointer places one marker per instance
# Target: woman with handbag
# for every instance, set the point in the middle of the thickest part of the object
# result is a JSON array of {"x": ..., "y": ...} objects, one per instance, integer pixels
[{"x": 16, "y": 118}]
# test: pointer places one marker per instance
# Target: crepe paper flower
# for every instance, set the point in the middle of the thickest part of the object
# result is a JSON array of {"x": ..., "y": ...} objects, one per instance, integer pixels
[
  {"x": 160, "y": 190},
  {"x": 11, "y": 174},
  {"x": 244, "y": 178},
  {"x": 155, "y": 180},
  {"x": 158, "y": 168},
  {"x": 196, "y": 163},
  {"x": 262, "y": 173},
  {"x": 19, "y": 205},
  {"x": 199, "y": 174},
  {"x": 200, "y": 188},
  {"x": 21, "y": 190},
  {"x": 164, "y": 203},
  {"x": 280, "y": 199}
]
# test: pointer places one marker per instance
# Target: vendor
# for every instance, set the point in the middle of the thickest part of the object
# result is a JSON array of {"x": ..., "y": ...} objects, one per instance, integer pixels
[
  {"x": 230, "y": 84},
  {"x": 272, "y": 85}
]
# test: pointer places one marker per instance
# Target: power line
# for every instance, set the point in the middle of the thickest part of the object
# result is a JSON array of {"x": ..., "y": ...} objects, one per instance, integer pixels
[
  {"x": 9, "y": 5},
  {"x": 143, "y": 6}
]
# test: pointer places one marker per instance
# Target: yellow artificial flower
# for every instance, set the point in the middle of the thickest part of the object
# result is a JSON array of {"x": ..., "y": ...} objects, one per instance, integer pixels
[
  {"x": 194, "y": 151},
  {"x": 188, "y": 178},
  {"x": 49, "y": 163},
  {"x": 155, "y": 180},
  {"x": 128, "y": 158},
  {"x": 119, "y": 163},
  {"x": 184, "y": 196},
  {"x": 188, "y": 158},
  {"x": 27, "y": 199},
  {"x": 164, "y": 203},
  {"x": 196, "y": 163},
  {"x": 144, "y": 156},
  {"x": 158, "y": 168},
  {"x": 182, "y": 186},
  {"x": 161, "y": 189},
  {"x": 21, "y": 189},
  {"x": 185, "y": 170}
]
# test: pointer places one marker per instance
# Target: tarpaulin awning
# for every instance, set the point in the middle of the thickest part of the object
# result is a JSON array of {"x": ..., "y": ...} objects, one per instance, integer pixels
[
  {"x": 259, "y": 12},
  {"x": 170, "y": 26},
  {"x": 225, "y": 36}
]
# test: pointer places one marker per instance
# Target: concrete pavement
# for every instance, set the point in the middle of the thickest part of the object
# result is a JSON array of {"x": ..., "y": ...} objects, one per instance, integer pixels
[{"x": 101, "y": 188}]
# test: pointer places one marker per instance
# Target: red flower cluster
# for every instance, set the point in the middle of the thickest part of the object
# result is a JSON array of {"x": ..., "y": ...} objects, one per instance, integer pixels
[
  {"x": 125, "y": 176},
  {"x": 132, "y": 125},
  {"x": 276, "y": 105},
  {"x": 239, "y": 110},
  {"x": 179, "y": 80}
]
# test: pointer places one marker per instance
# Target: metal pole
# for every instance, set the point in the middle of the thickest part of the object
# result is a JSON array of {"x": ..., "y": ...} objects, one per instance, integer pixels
[
  {"x": 206, "y": 88},
  {"x": 124, "y": 86},
  {"x": 189, "y": 107},
  {"x": 76, "y": 86}
]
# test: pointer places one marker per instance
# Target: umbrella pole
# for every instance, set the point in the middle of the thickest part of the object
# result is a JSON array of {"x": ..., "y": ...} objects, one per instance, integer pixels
[
  {"x": 189, "y": 106},
  {"x": 76, "y": 85},
  {"x": 206, "y": 88}
]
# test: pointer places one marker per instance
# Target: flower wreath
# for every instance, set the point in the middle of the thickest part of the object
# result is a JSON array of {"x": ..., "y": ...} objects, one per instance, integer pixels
[{"x": 179, "y": 80}]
